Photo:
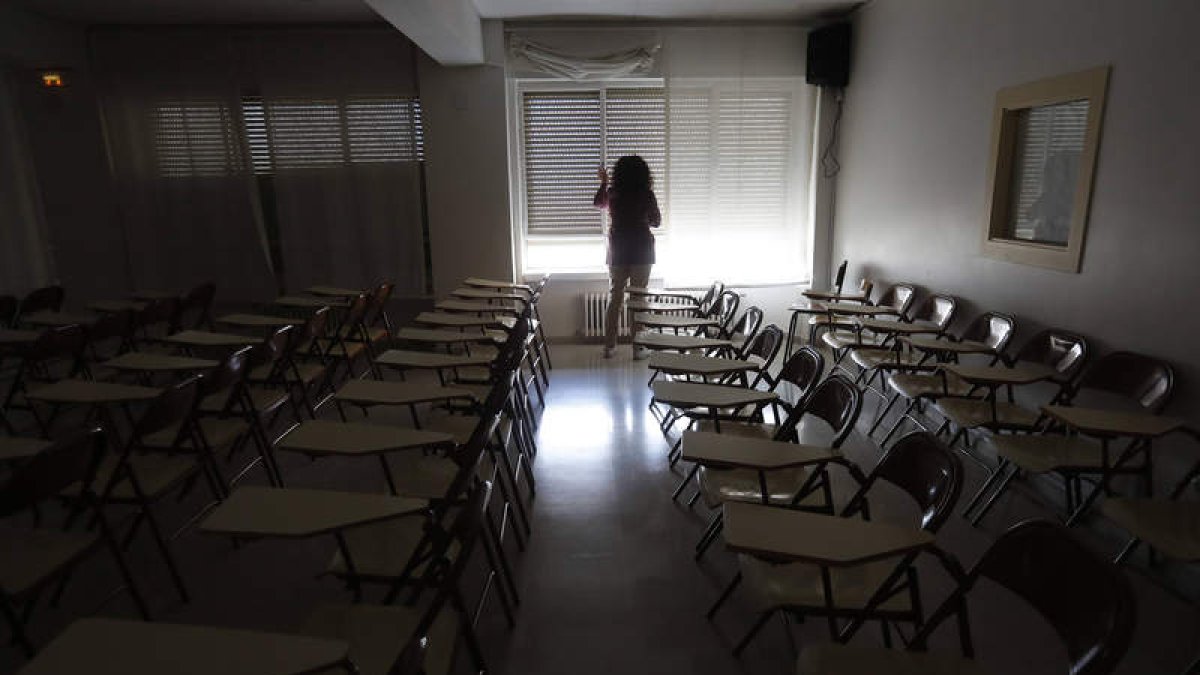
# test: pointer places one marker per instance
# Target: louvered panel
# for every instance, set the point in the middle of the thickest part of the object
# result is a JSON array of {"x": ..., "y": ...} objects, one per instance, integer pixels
[
  {"x": 689, "y": 179},
  {"x": 562, "y": 145},
  {"x": 305, "y": 133},
  {"x": 753, "y": 147},
  {"x": 635, "y": 124},
  {"x": 195, "y": 138},
  {"x": 384, "y": 129}
]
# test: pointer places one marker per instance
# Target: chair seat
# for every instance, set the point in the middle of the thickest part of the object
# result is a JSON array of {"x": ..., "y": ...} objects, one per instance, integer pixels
[
  {"x": 1172, "y": 527},
  {"x": 968, "y": 413},
  {"x": 1039, "y": 454},
  {"x": 840, "y": 339},
  {"x": 825, "y": 320},
  {"x": 764, "y": 430},
  {"x": 832, "y": 659},
  {"x": 33, "y": 556},
  {"x": 874, "y": 357},
  {"x": 381, "y": 550},
  {"x": 420, "y": 474},
  {"x": 718, "y": 486},
  {"x": 156, "y": 473},
  {"x": 918, "y": 385},
  {"x": 378, "y": 634},
  {"x": 799, "y": 585}
]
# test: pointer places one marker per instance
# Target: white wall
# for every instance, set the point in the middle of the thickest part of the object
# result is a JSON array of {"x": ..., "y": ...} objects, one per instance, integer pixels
[{"x": 911, "y": 196}]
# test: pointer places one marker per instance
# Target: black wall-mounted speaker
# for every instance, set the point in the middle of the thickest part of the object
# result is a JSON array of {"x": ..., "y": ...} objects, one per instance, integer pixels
[{"x": 828, "y": 62}]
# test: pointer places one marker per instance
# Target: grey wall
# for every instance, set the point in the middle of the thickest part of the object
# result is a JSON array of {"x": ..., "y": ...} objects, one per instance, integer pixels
[
  {"x": 65, "y": 147},
  {"x": 466, "y": 138},
  {"x": 911, "y": 196}
]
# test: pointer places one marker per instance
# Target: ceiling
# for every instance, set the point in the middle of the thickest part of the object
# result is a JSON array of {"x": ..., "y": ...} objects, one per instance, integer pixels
[{"x": 333, "y": 11}]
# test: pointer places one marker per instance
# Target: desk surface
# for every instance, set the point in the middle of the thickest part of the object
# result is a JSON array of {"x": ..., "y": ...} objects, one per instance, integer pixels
[
  {"x": 696, "y": 364},
  {"x": 1022, "y": 373},
  {"x": 121, "y": 647},
  {"x": 203, "y": 338},
  {"x": 153, "y": 294},
  {"x": 150, "y": 362},
  {"x": 729, "y": 451},
  {"x": 1102, "y": 422},
  {"x": 671, "y": 321},
  {"x": 90, "y": 391},
  {"x": 836, "y": 297},
  {"x": 375, "y": 392},
  {"x": 309, "y": 302},
  {"x": 495, "y": 283},
  {"x": 899, "y": 327},
  {"x": 708, "y": 395},
  {"x": 113, "y": 306},
  {"x": 13, "y": 337},
  {"x": 461, "y": 320},
  {"x": 21, "y": 447},
  {"x": 54, "y": 319},
  {"x": 326, "y": 437},
  {"x": 469, "y": 306},
  {"x": 485, "y": 294},
  {"x": 401, "y": 358},
  {"x": 335, "y": 291},
  {"x": 932, "y": 344},
  {"x": 439, "y": 336},
  {"x": 677, "y": 342},
  {"x": 785, "y": 534},
  {"x": 254, "y": 511},
  {"x": 259, "y": 320}
]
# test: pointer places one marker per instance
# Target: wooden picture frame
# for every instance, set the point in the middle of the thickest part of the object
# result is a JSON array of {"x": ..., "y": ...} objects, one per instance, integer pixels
[{"x": 1045, "y": 139}]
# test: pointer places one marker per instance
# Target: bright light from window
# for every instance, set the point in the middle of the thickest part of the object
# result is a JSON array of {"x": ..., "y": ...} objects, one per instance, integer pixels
[{"x": 565, "y": 255}]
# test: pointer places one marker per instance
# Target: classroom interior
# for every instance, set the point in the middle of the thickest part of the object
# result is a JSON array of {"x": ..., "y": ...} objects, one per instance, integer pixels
[{"x": 303, "y": 306}]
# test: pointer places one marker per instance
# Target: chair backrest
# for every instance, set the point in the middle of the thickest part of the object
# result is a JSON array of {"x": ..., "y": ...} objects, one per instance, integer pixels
[
  {"x": 900, "y": 296},
  {"x": 115, "y": 326},
  {"x": 1087, "y": 599},
  {"x": 70, "y": 460},
  {"x": 836, "y": 401},
  {"x": 169, "y": 409},
  {"x": 377, "y": 305},
  {"x": 355, "y": 313},
  {"x": 747, "y": 325},
  {"x": 803, "y": 370},
  {"x": 161, "y": 312},
  {"x": 316, "y": 326},
  {"x": 194, "y": 309},
  {"x": 48, "y": 299},
  {"x": 1144, "y": 379},
  {"x": 764, "y": 345},
  {"x": 992, "y": 329},
  {"x": 710, "y": 297},
  {"x": 937, "y": 309},
  {"x": 226, "y": 378},
  {"x": 272, "y": 352},
  {"x": 926, "y": 470},
  {"x": 724, "y": 309},
  {"x": 60, "y": 342},
  {"x": 8, "y": 310},
  {"x": 839, "y": 277},
  {"x": 1064, "y": 352}
]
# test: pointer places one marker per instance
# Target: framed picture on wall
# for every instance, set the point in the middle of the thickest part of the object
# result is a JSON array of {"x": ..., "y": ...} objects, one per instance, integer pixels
[{"x": 1045, "y": 137}]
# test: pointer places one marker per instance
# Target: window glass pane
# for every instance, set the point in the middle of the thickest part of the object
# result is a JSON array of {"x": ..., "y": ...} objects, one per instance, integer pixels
[{"x": 1047, "y": 148}]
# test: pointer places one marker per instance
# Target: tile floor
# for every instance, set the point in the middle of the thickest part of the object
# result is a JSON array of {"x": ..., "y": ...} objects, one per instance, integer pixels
[{"x": 608, "y": 582}]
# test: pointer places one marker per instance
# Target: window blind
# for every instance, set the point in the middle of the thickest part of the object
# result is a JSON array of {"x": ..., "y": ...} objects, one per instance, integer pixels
[
  {"x": 195, "y": 138},
  {"x": 562, "y": 135},
  {"x": 635, "y": 124}
]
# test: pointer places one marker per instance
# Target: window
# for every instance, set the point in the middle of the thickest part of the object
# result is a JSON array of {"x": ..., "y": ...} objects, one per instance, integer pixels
[
  {"x": 566, "y": 135},
  {"x": 196, "y": 138},
  {"x": 314, "y": 133},
  {"x": 727, "y": 156}
]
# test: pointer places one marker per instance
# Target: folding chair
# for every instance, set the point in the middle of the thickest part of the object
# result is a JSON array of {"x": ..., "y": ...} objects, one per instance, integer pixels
[
  {"x": 1087, "y": 601},
  {"x": 57, "y": 353},
  {"x": 194, "y": 310},
  {"x": 48, "y": 299},
  {"x": 1135, "y": 380},
  {"x": 885, "y": 589},
  {"x": 34, "y": 559},
  {"x": 842, "y": 335}
]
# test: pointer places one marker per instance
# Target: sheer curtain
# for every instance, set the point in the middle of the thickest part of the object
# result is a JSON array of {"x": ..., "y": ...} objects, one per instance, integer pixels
[
  {"x": 25, "y": 262},
  {"x": 184, "y": 186},
  {"x": 739, "y": 150},
  {"x": 341, "y": 139}
]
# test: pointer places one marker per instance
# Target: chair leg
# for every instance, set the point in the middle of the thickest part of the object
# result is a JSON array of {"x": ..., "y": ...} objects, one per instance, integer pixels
[
  {"x": 762, "y": 621},
  {"x": 18, "y": 627},
  {"x": 992, "y": 479},
  {"x": 883, "y": 413},
  {"x": 122, "y": 565},
  {"x": 164, "y": 547},
  {"x": 995, "y": 495},
  {"x": 684, "y": 483},
  {"x": 710, "y": 535},
  {"x": 733, "y": 584}
]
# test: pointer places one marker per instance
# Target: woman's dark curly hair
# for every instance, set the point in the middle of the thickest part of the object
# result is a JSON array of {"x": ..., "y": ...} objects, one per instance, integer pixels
[{"x": 631, "y": 175}]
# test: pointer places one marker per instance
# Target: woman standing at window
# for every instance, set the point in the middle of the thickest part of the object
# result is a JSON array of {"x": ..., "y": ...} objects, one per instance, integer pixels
[{"x": 632, "y": 210}]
